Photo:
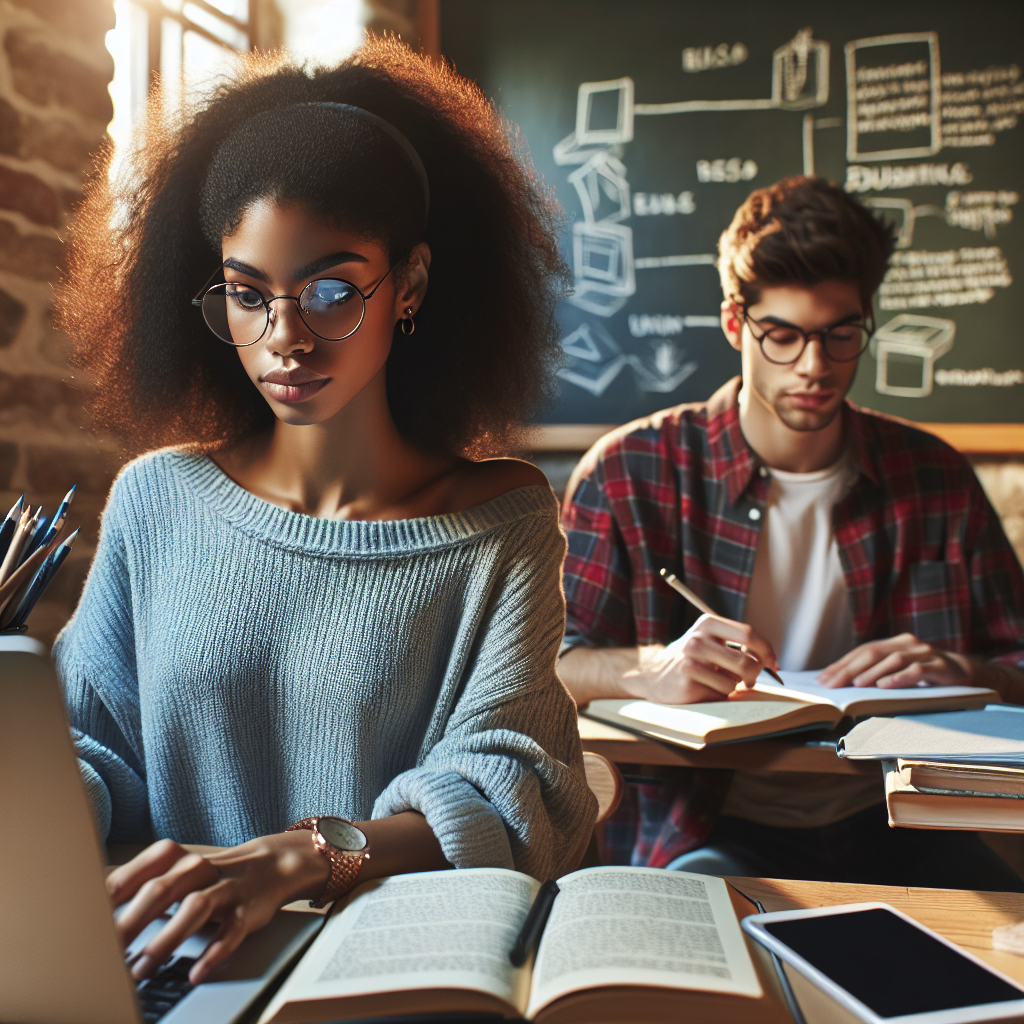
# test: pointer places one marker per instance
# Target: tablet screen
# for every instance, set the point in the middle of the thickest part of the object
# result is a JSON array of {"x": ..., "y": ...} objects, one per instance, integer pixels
[{"x": 889, "y": 965}]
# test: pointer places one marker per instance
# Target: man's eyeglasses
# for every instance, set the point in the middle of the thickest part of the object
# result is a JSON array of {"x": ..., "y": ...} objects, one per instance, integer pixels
[
  {"x": 784, "y": 344},
  {"x": 239, "y": 314}
]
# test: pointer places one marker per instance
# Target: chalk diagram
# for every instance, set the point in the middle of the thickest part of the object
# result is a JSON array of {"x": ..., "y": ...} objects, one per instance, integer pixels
[
  {"x": 919, "y": 340},
  {"x": 604, "y": 263}
]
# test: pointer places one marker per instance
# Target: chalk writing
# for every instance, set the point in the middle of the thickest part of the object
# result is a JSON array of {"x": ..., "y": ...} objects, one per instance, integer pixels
[
  {"x": 640, "y": 326},
  {"x": 886, "y": 176},
  {"x": 980, "y": 211},
  {"x": 900, "y": 99},
  {"x": 986, "y": 377},
  {"x": 957, "y": 277},
  {"x": 976, "y": 105},
  {"x": 706, "y": 58},
  {"x": 649, "y": 204},
  {"x": 734, "y": 169},
  {"x": 644, "y": 324}
]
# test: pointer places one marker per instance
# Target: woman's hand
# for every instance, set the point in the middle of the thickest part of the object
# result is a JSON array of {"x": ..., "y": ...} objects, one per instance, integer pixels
[
  {"x": 900, "y": 661},
  {"x": 700, "y": 665},
  {"x": 240, "y": 888}
]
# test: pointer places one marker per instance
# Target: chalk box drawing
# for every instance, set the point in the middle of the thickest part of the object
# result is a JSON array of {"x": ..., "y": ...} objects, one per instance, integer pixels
[{"x": 920, "y": 339}]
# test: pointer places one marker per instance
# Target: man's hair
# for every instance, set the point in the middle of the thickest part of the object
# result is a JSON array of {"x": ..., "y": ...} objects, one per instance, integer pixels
[
  {"x": 486, "y": 337},
  {"x": 802, "y": 231}
]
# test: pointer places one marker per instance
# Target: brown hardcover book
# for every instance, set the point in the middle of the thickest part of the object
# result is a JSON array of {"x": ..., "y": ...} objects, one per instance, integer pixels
[
  {"x": 928, "y": 794},
  {"x": 621, "y": 944}
]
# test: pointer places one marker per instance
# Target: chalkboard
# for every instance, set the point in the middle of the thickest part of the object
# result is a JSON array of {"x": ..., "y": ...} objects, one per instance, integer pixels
[{"x": 653, "y": 120}]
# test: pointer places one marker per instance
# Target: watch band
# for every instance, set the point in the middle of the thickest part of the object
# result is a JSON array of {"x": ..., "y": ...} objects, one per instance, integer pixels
[{"x": 345, "y": 865}]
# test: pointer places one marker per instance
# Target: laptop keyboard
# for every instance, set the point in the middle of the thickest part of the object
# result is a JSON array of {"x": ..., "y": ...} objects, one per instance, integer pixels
[{"x": 161, "y": 993}]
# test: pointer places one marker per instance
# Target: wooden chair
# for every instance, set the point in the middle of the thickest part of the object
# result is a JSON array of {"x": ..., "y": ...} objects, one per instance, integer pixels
[{"x": 605, "y": 782}]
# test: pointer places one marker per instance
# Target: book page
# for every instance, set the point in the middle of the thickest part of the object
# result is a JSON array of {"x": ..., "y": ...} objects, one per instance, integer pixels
[
  {"x": 805, "y": 686},
  {"x": 641, "y": 926},
  {"x": 696, "y": 724},
  {"x": 438, "y": 929}
]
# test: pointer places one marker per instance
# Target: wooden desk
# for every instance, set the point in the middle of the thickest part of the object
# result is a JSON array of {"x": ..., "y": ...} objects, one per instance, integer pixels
[
  {"x": 782, "y": 755},
  {"x": 960, "y": 915}
]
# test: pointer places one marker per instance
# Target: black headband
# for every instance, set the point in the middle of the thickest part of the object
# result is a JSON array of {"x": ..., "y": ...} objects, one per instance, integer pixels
[{"x": 391, "y": 131}]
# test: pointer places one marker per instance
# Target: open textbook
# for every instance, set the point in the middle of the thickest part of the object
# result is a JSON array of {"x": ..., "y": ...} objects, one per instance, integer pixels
[
  {"x": 768, "y": 709},
  {"x": 626, "y": 941}
]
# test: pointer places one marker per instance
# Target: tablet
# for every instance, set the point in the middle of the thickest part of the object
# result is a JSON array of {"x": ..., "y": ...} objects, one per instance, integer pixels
[{"x": 885, "y": 967}]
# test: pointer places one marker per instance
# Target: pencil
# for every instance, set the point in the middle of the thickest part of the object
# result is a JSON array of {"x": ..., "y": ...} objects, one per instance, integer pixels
[
  {"x": 36, "y": 533},
  {"x": 17, "y": 545},
  {"x": 57, "y": 523},
  {"x": 702, "y": 606},
  {"x": 9, "y": 525},
  {"x": 14, "y": 582},
  {"x": 41, "y": 581}
]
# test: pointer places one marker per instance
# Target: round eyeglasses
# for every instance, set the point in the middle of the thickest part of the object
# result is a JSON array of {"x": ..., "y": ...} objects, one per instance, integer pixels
[
  {"x": 784, "y": 344},
  {"x": 239, "y": 314}
]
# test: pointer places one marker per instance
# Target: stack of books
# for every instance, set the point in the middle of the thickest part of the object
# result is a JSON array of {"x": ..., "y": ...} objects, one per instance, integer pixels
[
  {"x": 30, "y": 555},
  {"x": 962, "y": 770}
]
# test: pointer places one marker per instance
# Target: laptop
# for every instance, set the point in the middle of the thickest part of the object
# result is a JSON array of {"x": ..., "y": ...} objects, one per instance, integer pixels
[{"x": 60, "y": 960}]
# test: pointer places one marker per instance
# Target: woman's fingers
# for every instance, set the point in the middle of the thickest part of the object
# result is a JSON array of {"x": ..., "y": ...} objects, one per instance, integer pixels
[
  {"x": 228, "y": 938},
  {"x": 196, "y": 909},
  {"x": 190, "y": 873},
  {"x": 125, "y": 881}
]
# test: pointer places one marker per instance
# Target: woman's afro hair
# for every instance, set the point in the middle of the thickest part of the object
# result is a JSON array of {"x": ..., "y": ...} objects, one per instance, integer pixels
[{"x": 141, "y": 247}]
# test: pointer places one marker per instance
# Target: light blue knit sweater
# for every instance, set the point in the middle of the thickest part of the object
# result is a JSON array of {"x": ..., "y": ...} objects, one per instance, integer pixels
[{"x": 233, "y": 667}]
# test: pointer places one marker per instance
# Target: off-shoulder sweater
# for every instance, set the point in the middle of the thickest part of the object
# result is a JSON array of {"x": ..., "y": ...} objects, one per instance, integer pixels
[{"x": 233, "y": 667}]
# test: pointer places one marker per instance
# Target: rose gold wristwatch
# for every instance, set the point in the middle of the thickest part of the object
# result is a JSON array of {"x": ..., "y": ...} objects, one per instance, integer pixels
[{"x": 344, "y": 846}]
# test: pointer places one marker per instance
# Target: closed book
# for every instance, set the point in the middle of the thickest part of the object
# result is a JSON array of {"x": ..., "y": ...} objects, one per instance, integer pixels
[
  {"x": 621, "y": 944},
  {"x": 991, "y": 736},
  {"x": 932, "y": 795}
]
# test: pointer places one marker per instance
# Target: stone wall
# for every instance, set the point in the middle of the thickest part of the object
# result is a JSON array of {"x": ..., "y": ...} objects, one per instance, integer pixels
[{"x": 54, "y": 108}]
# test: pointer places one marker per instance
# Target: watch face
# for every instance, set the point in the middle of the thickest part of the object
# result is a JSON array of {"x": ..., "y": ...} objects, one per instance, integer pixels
[{"x": 341, "y": 834}]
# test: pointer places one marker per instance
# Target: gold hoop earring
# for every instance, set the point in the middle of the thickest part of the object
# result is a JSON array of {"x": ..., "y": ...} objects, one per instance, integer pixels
[{"x": 408, "y": 324}]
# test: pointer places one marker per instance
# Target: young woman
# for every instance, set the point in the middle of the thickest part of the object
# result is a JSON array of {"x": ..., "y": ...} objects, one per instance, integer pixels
[{"x": 321, "y": 629}]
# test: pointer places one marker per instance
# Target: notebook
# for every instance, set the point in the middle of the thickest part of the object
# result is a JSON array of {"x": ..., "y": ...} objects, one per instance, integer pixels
[
  {"x": 768, "y": 710},
  {"x": 993, "y": 735}
]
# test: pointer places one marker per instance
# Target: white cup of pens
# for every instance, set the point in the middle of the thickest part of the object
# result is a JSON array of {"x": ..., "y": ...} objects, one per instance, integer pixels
[{"x": 30, "y": 555}]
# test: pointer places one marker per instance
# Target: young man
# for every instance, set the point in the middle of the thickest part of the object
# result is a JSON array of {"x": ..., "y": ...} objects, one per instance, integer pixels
[{"x": 828, "y": 537}]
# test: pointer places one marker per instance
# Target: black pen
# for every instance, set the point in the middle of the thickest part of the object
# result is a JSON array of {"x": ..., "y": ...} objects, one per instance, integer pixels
[{"x": 533, "y": 926}]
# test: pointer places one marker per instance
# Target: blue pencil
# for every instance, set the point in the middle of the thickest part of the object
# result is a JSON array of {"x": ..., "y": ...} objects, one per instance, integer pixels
[
  {"x": 9, "y": 525},
  {"x": 57, "y": 523},
  {"x": 41, "y": 580}
]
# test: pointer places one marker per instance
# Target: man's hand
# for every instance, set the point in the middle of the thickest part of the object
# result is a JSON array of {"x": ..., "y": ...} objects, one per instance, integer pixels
[
  {"x": 901, "y": 661},
  {"x": 695, "y": 668}
]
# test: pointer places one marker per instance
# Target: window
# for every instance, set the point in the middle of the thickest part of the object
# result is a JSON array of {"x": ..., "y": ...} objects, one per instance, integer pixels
[{"x": 186, "y": 42}]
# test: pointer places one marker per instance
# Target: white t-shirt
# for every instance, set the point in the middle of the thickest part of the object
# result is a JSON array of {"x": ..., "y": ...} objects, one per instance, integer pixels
[{"x": 798, "y": 601}]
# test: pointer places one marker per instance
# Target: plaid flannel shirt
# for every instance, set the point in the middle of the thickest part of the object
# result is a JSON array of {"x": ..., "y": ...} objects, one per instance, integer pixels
[{"x": 922, "y": 549}]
